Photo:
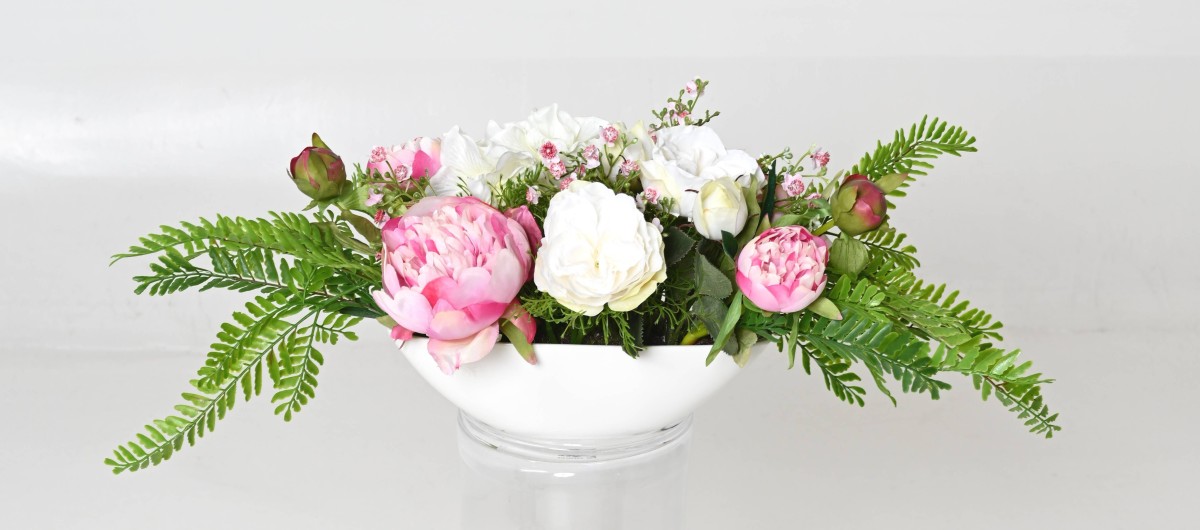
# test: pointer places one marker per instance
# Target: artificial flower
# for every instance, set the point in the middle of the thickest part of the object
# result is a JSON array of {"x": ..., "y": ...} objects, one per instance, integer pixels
[
  {"x": 419, "y": 158},
  {"x": 526, "y": 140},
  {"x": 719, "y": 207},
  {"x": 452, "y": 267},
  {"x": 598, "y": 250},
  {"x": 317, "y": 171},
  {"x": 782, "y": 270},
  {"x": 466, "y": 165},
  {"x": 683, "y": 158},
  {"x": 858, "y": 205}
]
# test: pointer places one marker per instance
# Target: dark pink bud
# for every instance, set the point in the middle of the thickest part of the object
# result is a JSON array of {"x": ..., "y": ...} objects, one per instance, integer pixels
[
  {"x": 318, "y": 172},
  {"x": 858, "y": 205}
]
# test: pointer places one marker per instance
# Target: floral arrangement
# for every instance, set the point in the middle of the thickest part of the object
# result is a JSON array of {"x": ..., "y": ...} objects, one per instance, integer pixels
[{"x": 558, "y": 229}]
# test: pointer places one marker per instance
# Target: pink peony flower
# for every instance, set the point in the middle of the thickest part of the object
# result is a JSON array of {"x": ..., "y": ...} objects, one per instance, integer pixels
[
  {"x": 452, "y": 268},
  {"x": 523, "y": 217},
  {"x": 415, "y": 160},
  {"x": 782, "y": 270}
]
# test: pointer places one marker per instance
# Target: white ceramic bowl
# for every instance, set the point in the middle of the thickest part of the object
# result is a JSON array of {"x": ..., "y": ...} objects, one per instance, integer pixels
[{"x": 580, "y": 392}]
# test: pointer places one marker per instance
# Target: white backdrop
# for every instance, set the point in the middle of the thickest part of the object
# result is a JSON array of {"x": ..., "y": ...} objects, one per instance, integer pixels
[{"x": 1073, "y": 224}]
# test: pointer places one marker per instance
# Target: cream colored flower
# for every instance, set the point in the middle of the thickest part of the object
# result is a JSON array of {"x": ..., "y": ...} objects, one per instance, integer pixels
[
  {"x": 719, "y": 207},
  {"x": 598, "y": 249},
  {"x": 685, "y": 157}
]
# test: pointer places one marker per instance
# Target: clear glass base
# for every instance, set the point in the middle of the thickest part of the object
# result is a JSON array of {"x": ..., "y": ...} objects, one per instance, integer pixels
[{"x": 628, "y": 483}]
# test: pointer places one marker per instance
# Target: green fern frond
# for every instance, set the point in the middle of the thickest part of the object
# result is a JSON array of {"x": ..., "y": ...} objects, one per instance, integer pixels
[
  {"x": 321, "y": 242},
  {"x": 887, "y": 245},
  {"x": 265, "y": 328},
  {"x": 835, "y": 372},
  {"x": 911, "y": 151},
  {"x": 882, "y": 348}
]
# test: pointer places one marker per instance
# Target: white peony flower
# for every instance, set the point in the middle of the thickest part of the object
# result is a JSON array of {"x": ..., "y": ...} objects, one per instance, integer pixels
[
  {"x": 685, "y": 157},
  {"x": 598, "y": 249},
  {"x": 719, "y": 207},
  {"x": 524, "y": 138},
  {"x": 467, "y": 163}
]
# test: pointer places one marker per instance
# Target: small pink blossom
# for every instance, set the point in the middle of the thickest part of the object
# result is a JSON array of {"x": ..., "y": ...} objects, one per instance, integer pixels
[
  {"x": 373, "y": 198},
  {"x": 532, "y": 195},
  {"x": 557, "y": 168},
  {"x": 378, "y": 154},
  {"x": 792, "y": 185},
  {"x": 812, "y": 197},
  {"x": 381, "y": 217},
  {"x": 549, "y": 151},
  {"x": 628, "y": 166},
  {"x": 690, "y": 87},
  {"x": 651, "y": 195},
  {"x": 820, "y": 158},
  {"x": 610, "y": 134},
  {"x": 591, "y": 152},
  {"x": 680, "y": 116},
  {"x": 565, "y": 183}
]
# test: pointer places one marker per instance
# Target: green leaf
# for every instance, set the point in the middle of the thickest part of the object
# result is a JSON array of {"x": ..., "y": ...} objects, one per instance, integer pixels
[
  {"x": 676, "y": 244},
  {"x": 848, "y": 256},
  {"x": 362, "y": 312},
  {"x": 729, "y": 244},
  {"x": 727, "y": 326},
  {"x": 826, "y": 308},
  {"x": 890, "y": 182},
  {"x": 710, "y": 281},
  {"x": 745, "y": 340},
  {"x": 788, "y": 220}
]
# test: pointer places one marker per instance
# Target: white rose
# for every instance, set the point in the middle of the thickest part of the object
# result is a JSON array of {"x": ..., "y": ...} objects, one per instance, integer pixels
[
  {"x": 685, "y": 157},
  {"x": 598, "y": 249},
  {"x": 719, "y": 207},
  {"x": 467, "y": 164},
  {"x": 525, "y": 138}
]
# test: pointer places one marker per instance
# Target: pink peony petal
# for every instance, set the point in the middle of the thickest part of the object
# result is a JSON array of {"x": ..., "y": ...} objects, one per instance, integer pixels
[{"x": 451, "y": 354}]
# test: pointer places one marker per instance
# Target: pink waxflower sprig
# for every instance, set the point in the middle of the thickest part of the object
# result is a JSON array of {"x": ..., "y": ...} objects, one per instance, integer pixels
[{"x": 680, "y": 110}]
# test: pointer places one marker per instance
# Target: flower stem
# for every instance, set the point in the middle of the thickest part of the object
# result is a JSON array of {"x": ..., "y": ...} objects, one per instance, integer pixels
[
  {"x": 694, "y": 335},
  {"x": 823, "y": 228}
]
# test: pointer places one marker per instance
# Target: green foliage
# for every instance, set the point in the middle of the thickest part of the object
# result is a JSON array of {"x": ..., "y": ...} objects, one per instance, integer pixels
[
  {"x": 836, "y": 373},
  {"x": 313, "y": 284},
  {"x": 321, "y": 241},
  {"x": 965, "y": 339},
  {"x": 910, "y": 151},
  {"x": 269, "y": 329},
  {"x": 886, "y": 246}
]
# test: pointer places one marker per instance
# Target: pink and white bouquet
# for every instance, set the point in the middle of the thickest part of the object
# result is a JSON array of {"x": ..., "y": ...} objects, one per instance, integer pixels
[{"x": 582, "y": 230}]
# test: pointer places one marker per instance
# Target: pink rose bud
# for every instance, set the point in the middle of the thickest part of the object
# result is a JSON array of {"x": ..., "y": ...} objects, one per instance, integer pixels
[
  {"x": 858, "y": 205},
  {"x": 318, "y": 172},
  {"x": 452, "y": 267},
  {"x": 782, "y": 270}
]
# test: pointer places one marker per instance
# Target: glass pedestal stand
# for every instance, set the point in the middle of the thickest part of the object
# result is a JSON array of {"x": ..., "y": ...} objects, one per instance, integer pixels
[{"x": 630, "y": 483}]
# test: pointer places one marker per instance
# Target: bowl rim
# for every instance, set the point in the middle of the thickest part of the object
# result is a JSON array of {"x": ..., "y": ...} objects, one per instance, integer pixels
[{"x": 423, "y": 342}]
